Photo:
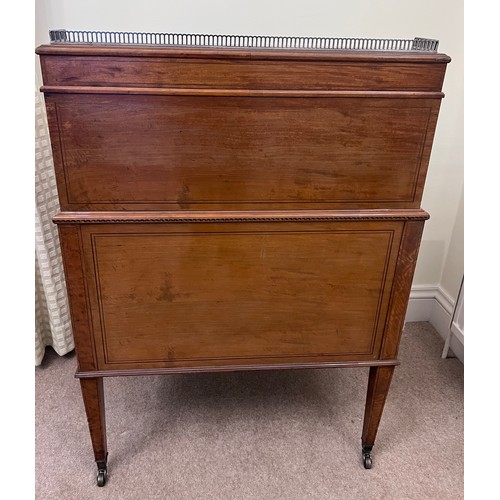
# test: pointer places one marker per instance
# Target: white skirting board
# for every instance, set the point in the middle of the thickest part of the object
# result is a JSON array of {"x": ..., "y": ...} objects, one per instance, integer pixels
[{"x": 432, "y": 304}]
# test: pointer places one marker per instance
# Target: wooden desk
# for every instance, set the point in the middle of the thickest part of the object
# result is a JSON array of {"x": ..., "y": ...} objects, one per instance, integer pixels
[{"x": 239, "y": 208}]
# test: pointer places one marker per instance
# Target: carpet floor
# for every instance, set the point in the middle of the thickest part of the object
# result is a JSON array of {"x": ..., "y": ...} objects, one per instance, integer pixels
[{"x": 291, "y": 435}]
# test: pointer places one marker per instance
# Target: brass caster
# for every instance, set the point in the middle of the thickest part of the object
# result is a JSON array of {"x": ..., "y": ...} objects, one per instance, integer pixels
[
  {"x": 367, "y": 457},
  {"x": 102, "y": 472},
  {"x": 102, "y": 475}
]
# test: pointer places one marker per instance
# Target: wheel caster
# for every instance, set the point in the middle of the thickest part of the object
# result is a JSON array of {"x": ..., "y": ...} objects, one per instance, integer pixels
[
  {"x": 367, "y": 457},
  {"x": 102, "y": 471},
  {"x": 102, "y": 475}
]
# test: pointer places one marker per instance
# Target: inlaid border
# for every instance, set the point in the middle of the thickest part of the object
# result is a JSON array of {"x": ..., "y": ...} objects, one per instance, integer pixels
[{"x": 384, "y": 295}]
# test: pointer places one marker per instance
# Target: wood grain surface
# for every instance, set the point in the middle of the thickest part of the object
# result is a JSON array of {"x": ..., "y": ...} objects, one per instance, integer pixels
[
  {"x": 199, "y": 294},
  {"x": 192, "y": 152}
]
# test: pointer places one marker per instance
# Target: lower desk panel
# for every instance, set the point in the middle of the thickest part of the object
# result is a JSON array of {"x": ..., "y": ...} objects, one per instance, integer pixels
[{"x": 216, "y": 294}]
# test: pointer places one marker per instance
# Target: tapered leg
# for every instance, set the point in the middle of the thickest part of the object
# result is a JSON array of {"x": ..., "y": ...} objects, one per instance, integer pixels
[
  {"x": 93, "y": 399},
  {"x": 378, "y": 387}
]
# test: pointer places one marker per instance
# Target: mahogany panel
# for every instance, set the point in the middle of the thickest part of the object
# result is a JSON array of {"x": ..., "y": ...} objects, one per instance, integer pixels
[
  {"x": 212, "y": 294},
  {"x": 74, "y": 271},
  {"x": 228, "y": 72},
  {"x": 403, "y": 278},
  {"x": 199, "y": 152}
]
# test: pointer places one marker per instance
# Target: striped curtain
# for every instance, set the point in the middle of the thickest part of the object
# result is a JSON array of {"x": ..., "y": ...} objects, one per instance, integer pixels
[{"x": 52, "y": 320}]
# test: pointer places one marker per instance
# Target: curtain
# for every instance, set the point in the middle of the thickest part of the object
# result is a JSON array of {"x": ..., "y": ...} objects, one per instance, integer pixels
[{"x": 52, "y": 320}]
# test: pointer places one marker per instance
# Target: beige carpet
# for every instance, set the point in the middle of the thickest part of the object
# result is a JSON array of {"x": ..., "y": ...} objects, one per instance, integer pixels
[{"x": 291, "y": 435}]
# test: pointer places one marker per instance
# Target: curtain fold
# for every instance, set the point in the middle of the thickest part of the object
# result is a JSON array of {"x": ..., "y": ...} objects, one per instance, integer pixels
[{"x": 52, "y": 319}]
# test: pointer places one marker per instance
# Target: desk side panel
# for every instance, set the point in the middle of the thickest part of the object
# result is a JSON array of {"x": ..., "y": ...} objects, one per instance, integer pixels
[
  {"x": 138, "y": 152},
  {"x": 195, "y": 295}
]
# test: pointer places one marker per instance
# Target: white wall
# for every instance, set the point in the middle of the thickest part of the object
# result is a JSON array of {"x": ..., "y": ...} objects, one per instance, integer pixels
[
  {"x": 454, "y": 263},
  {"x": 440, "y": 19}
]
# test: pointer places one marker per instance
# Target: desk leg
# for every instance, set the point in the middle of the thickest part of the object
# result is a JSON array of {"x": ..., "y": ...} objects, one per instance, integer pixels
[
  {"x": 378, "y": 387},
  {"x": 93, "y": 399}
]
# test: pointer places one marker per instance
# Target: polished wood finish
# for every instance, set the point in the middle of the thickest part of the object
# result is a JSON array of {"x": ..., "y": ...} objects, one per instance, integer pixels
[
  {"x": 216, "y": 152},
  {"x": 316, "y": 365},
  {"x": 378, "y": 387},
  {"x": 93, "y": 399},
  {"x": 403, "y": 277},
  {"x": 76, "y": 285},
  {"x": 297, "y": 291},
  {"x": 241, "y": 69},
  {"x": 180, "y": 217},
  {"x": 234, "y": 209}
]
